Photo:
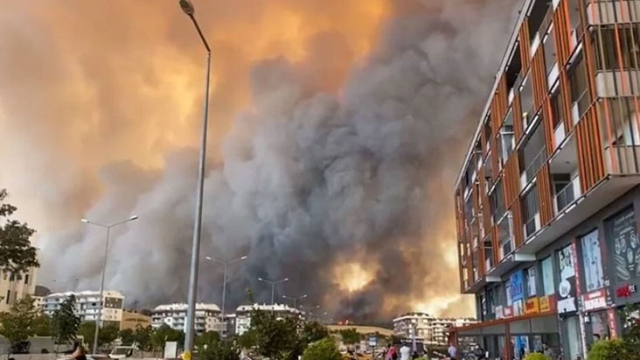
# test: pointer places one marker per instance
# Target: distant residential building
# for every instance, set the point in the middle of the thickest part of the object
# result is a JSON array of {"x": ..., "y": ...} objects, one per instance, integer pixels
[
  {"x": 13, "y": 289},
  {"x": 132, "y": 319},
  {"x": 426, "y": 328},
  {"x": 175, "y": 316},
  {"x": 88, "y": 305},
  {"x": 243, "y": 314}
]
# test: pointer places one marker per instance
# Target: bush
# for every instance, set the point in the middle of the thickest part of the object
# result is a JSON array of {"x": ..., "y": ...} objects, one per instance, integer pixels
[
  {"x": 324, "y": 349},
  {"x": 536, "y": 356},
  {"x": 610, "y": 349}
]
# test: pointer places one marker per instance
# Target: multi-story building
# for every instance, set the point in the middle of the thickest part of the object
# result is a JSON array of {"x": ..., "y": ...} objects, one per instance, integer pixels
[
  {"x": 133, "y": 319},
  {"x": 14, "y": 288},
  {"x": 243, "y": 314},
  {"x": 207, "y": 317},
  {"x": 426, "y": 328},
  {"x": 546, "y": 199},
  {"x": 88, "y": 305}
]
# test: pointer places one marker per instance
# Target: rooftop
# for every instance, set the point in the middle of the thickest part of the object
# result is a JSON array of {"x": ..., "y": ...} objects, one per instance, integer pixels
[
  {"x": 110, "y": 293},
  {"x": 183, "y": 306},
  {"x": 265, "y": 307}
]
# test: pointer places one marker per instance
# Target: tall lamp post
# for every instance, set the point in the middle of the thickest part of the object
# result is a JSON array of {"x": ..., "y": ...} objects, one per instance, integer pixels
[
  {"x": 104, "y": 267},
  {"x": 273, "y": 287},
  {"x": 189, "y": 10},
  {"x": 224, "y": 282},
  {"x": 295, "y": 299}
]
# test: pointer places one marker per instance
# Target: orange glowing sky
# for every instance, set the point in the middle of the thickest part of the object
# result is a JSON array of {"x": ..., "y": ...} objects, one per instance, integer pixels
[{"x": 97, "y": 82}]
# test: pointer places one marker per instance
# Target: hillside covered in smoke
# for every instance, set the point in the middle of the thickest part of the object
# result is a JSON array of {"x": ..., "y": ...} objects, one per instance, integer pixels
[{"x": 337, "y": 172}]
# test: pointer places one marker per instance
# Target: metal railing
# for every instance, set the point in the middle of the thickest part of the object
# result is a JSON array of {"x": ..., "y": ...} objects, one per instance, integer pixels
[
  {"x": 565, "y": 197},
  {"x": 530, "y": 227},
  {"x": 535, "y": 165},
  {"x": 625, "y": 159}
]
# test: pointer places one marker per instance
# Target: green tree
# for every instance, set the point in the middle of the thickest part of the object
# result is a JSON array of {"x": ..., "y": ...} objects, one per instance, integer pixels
[
  {"x": 207, "y": 339},
  {"x": 65, "y": 322},
  {"x": 142, "y": 336},
  {"x": 324, "y": 349},
  {"x": 108, "y": 334},
  {"x": 87, "y": 331},
  {"x": 42, "y": 325},
  {"x": 19, "y": 324},
  {"x": 221, "y": 350},
  {"x": 536, "y": 356},
  {"x": 127, "y": 336},
  {"x": 272, "y": 337},
  {"x": 314, "y": 331},
  {"x": 350, "y": 336},
  {"x": 163, "y": 334},
  {"x": 611, "y": 349},
  {"x": 17, "y": 255}
]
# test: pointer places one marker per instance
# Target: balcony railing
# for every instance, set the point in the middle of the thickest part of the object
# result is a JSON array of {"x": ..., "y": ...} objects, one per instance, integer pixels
[
  {"x": 625, "y": 159},
  {"x": 531, "y": 225},
  {"x": 506, "y": 246},
  {"x": 611, "y": 12},
  {"x": 565, "y": 197},
  {"x": 533, "y": 167}
]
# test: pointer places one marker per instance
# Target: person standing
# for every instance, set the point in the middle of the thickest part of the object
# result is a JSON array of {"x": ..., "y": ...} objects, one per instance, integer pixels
[
  {"x": 405, "y": 352},
  {"x": 453, "y": 352}
]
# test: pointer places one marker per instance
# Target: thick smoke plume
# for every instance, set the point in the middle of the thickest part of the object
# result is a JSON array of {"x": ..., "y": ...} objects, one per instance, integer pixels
[{"x": 349, "y": 121}]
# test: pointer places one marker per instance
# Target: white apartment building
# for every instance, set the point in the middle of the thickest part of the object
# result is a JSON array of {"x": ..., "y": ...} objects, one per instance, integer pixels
[
  {"x": 13, "y": 289},
  {"x": 426, "y": 328},
  {"x": 243, "y": 314},
  {"x": 175, "y": 316},
  {"x": 88, "y": 305}
]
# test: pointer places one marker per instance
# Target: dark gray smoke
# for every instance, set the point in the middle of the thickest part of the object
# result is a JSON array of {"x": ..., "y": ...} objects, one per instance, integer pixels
[{"x": 309, "y": 180}]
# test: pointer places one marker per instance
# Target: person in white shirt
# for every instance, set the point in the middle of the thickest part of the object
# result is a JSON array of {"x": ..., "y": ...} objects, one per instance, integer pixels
[
  {"x": 452, "y": 352},
  {"x": 405, "y": 353}
]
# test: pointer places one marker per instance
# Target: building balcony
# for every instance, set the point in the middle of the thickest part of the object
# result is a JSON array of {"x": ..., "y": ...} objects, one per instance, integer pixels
[
  {"x": 616, "y": 83},
  {"x": 601, "y": 12}
]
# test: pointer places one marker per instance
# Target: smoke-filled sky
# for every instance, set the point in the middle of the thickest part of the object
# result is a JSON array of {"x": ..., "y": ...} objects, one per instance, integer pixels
[{"x": 336, "y": 132}]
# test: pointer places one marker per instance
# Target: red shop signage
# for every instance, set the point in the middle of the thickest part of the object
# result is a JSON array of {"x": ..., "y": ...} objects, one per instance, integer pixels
[{"x": 625, "y": 291}]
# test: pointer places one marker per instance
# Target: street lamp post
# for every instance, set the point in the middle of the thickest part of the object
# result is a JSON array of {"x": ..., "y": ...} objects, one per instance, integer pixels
[
  {"x": 295, "y": 299},
  {"x": 104, "y": 267},
  {"x": 189, "y": 10},
  {"x": 273, "y": 287},
  {"x": 224, "y": 281}
]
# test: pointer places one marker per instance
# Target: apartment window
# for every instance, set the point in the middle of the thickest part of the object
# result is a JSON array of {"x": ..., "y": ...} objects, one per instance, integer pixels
[
  {"x": 488, "y": 132},
  {"x": 488, "y": 169},
  {"x": 532, "y": 155},
  {"x": 506, "y": 140},
  {"x": 526, "y": 100},
  {"x": 26, "y": 279},
  {"x": 497, "y": 202},
  {"x": 557, "y": 108},
  {"x": 505, "y": 237},
  {"x": 563, "y": 188},
  {"x": 8, "y": 296},
  {"x": 606, "y": 45},
  {"x": 579, "y": 87},
  {"x": 549, "y": 51},
  {"x": 530, "y": 210},
  {"x": 574, "y": 13}
]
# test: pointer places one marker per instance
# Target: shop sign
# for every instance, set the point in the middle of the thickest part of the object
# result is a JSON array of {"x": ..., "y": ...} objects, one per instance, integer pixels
[
  {"x": 532, "y": 306},
  {"x": 623, "y": 237},
  {"x": 626, "y": 290},
  {"x": 499, "y": 312},
  {"x": 547, "y": 303},
  {"x": 508, "y": 311},
  {"x": 595, "y": 300}
]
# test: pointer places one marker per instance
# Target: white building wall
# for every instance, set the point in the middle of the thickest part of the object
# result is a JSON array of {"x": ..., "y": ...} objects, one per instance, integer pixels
[
  {"x": 88, "y": 305},
  {"x": 207, "y": 317},
  {"x": 243, "y": 314},
  {"x": 14, "y": 290}
]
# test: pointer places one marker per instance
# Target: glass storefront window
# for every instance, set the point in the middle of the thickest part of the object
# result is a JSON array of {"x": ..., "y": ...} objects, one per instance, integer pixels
[
  {"x": 567, "y": 287},
  {"x": 547, "y": 276},
  {"x": 530, "y": 275},
  {"x": 622, "y": 236},
  {"x": 599, "y": 326},
  {"x": 592, "y": 261}
]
